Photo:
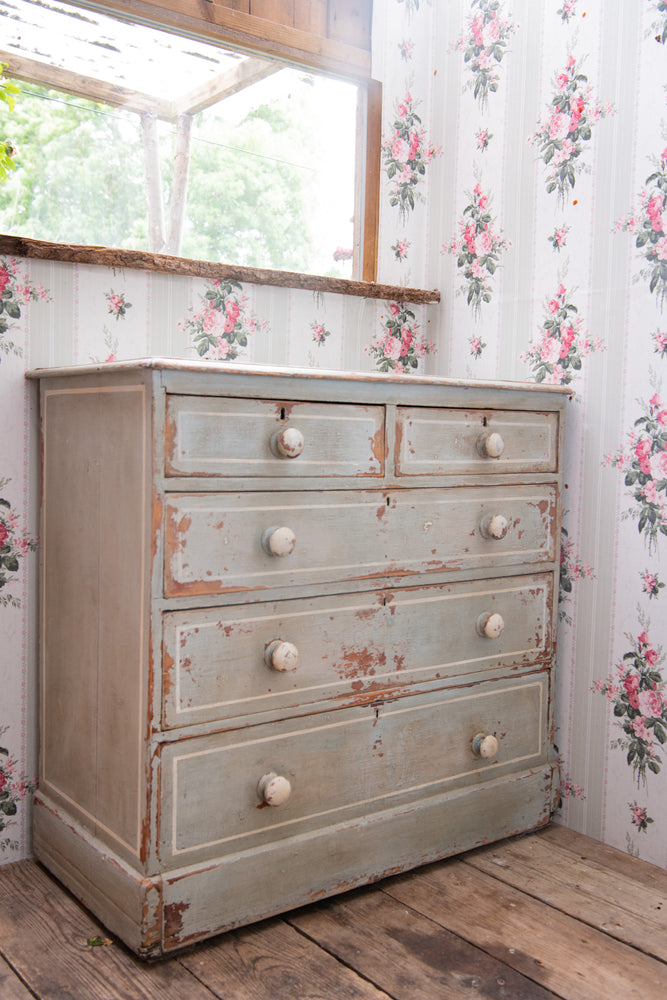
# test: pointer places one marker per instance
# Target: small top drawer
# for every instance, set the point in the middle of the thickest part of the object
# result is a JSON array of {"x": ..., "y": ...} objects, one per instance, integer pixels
[
  {"x": 216, "y": 436},
  {"x": 441, "y": 442}
]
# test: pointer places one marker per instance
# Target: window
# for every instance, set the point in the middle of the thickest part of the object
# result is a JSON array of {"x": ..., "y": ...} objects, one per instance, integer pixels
[{"x": 143, "y": 137}]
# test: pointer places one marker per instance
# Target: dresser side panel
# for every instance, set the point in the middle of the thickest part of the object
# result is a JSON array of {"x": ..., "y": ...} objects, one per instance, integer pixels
[{"x": 94, "y": 646}]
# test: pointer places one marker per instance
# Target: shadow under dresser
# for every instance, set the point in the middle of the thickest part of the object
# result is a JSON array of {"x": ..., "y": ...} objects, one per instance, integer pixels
[{"x": 297, "y": 633}]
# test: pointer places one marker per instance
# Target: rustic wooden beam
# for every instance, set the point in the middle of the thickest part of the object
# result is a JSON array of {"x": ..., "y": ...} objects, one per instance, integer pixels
[
  {"x": 243, "y": 75},
  {"x": 207, "y": 19},
  {"x": 153, "y": 181},
  {"x": 179, "y": 188},
  {"x": 19, "y": 246},
  {"x": 79, "y": 85},
  {"x": 371, "y": 197}
]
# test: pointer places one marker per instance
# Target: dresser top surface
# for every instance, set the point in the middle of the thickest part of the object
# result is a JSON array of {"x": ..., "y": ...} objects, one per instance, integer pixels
[{"x": 226, "y": 368}]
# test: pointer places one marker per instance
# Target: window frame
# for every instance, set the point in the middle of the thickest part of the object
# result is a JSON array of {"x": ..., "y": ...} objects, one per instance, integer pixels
[{"x": 215, "y": 21}]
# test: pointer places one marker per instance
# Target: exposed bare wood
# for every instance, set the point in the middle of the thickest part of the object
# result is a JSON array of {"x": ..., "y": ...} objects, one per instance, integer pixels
[
  {"x": 88, "y": 87},
  {"x": 277, "y": 11},
  {"x": 272, "y": 961},
  {"x": 560, "y": 954},
  {"x": 597, "y": 894},
  {"x": 448, "y": 966},
  {"x": 596, "y": 853},
  {"x": 11, "y": 987},
  {"x": 311, "y": 15},
  {"x": 20, "y": 246},
  {"x": 179, "y": 189},
  {"x": 153, "y": 181},
  {"x": 350, "y": 21},
  {"x": 363, "y": 946},
  {"x": 372, "y": 180},
  {"x": 236, "y": 27},
  {"x": 44, "y": 934},
  {"x": 245, "y": 74}
]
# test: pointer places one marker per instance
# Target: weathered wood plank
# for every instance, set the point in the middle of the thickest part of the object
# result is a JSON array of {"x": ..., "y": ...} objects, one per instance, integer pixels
[
  {"x": 598, "y": 895},
  {"x": 272, "y": 961},
  {"x": 554, "y": 950},
  {"x": 641, "y": 872},
  {"x": 11, "y": 987},
  {"x": 44, "y": 935},
  {"x": 88, "y": 87},
  {"x": 236, "y": 27},
  {"x": 371, "y": 181},
  {"x": 21, "y": 246},
  {"x": 406, "y": 954}
]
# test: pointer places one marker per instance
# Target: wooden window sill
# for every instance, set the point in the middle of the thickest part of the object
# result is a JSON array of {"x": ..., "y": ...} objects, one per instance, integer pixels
[{"x": 19, "y": 246}]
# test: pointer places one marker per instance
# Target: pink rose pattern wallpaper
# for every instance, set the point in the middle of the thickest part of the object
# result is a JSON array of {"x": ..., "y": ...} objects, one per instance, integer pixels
[{"x": 524, "y": 174}]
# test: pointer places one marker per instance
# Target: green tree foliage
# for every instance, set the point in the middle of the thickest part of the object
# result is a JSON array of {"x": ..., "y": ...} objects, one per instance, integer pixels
[
  {"x": 247, "y": 201},
  {"x": 80, "y": 176},
  {"x": 80, "y": 179}
]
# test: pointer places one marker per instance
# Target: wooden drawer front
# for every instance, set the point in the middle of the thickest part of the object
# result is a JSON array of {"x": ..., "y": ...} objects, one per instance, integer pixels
[
  {"x": 214, "y": 436},
  {"x": 344, "y": 765},
  {"x": 214, "y": 543},
  {"x": 441, "y": 442},
  {"x": 218, "y": 662}
]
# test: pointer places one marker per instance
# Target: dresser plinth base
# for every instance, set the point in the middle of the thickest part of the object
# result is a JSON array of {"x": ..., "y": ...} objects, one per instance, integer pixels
[{"x": 161, "y": 913}]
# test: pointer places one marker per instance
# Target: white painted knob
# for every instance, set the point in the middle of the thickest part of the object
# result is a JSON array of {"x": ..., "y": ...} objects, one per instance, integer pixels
[
  {"x": 490, "y": 445},
  {"x": 288, "y": 442},
  {"x": 273, "y": 789},
  {"x": 279, "y": 541},
  {"x": 485, "y": 745},
  {"x": 490, "y": 625},
  {"x": 282, "y": 655},
  {"x": 495, "y": 526}
]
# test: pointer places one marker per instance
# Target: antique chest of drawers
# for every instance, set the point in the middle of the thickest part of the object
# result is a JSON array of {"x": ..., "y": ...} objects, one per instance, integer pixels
[{"x": 297, "y": 633}]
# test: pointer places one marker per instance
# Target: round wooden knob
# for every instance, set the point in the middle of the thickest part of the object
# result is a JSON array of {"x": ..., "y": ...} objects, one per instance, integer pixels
[
  {"x": 279, "y": 541},
  {"x": 485, "y": 745},
  {"x": 281, "y": 655},
  {"x": 288, "y": 442},
  {"x": 273, "y": 789},
  {"x": 495, "y": 526},
  {"x": 490, "y": 445},
  {"x": 490, "y": 625}
]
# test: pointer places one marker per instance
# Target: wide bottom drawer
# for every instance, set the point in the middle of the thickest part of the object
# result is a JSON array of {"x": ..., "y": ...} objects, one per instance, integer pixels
[
  {"x": 344, "y": 765},
  {"x": 156, "y": 914}
]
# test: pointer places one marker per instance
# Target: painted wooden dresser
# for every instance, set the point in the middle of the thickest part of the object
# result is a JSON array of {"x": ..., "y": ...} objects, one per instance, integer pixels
[{"x": 298, "y": 633}]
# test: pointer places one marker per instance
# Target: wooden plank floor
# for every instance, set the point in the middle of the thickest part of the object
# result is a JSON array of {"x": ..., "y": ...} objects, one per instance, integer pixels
[{"x": 551, "y": 914}]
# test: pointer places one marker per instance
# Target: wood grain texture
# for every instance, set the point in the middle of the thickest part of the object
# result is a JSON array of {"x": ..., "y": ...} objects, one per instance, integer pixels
[
  {"x": 273, "y": 961},
  {"x": 366, "y": 945},
  {"x": 21, "y": 246},
  {"x": 641, "y": 873},
  {"x": 596, "y": 894},
  {"x": 575, "y": 960},
  {"x": 371, "y": 180},
  {"x": 11, "y": 987},
  {"x": 407, "y": 954},
  {"x": 44, "y": 934},
  {"x": 233, "y": 25}
]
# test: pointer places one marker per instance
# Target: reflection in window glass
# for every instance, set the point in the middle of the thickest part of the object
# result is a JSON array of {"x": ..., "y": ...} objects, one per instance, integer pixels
[{"x": 132, "y": 137}]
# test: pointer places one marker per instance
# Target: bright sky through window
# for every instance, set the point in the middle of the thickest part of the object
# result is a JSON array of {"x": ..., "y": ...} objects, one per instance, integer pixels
[{"x": 132, "y": 136}]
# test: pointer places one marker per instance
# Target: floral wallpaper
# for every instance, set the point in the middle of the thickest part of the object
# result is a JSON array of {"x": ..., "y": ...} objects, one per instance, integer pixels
[{"x": 524, "y": 174}]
